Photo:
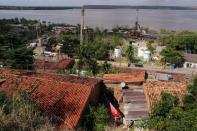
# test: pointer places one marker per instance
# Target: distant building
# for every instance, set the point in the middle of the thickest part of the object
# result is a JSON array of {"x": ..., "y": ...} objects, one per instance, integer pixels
[
  {"x": 1, "y": 64},
  {"x": 32, "y": 45},
  {"x": 159, "y": 48},
  {"x": 144, "y": 54},
  {"x": 117, "y": 53},
  {"x": 53, "y": 66},
  {"x": 65, "y": 29},
  {"x": 142, "y": 50},
  {"x": 190, "y": 61}
]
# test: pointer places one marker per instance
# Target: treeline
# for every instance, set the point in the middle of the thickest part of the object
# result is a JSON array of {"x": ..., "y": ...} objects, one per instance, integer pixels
[
  {"x": 15, "y": 34},
  {"x": 37, "y": 8},
  {"x": 138, "y": 7},
  {"x": 177, "y": 43},
  {"x": 96, "y": 7}
]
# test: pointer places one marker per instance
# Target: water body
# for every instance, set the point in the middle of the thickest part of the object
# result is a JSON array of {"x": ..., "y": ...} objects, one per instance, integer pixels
[{"x": 108, "y": 18}]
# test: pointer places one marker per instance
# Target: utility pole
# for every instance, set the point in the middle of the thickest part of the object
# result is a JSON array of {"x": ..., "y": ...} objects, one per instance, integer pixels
[
  {"x": 82, "y": 25},
  {"x": 136, "y": 23}
]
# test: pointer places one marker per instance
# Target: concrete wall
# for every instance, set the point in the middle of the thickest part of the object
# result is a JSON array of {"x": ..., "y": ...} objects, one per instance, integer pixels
[{"x": 190, "y": 65}]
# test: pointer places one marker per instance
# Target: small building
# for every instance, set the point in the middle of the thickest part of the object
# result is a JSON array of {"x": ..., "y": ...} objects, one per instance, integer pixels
[
  {"x": 53, "y": 66},
  {"x": 117, "y": 53},
  {"x": 32, "y": 45},
  {"x": 64, "y": 98},
  {"x": 134, "y": 77},
  {"x": 153, "y": 90},
  {"x": 142, "y": 50},
  {"x": 190, "y": 61},
  {"x": 1, "y": 64},
  {"x": 144, "y": 53}
]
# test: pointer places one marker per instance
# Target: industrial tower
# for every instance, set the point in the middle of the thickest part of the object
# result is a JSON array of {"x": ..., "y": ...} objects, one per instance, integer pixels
[{"x": 82, "y": 25}]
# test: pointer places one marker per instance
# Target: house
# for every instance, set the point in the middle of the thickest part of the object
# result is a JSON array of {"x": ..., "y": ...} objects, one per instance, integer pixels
[
  {"x": 153, "y": 90},
  {"x": 117, "y": 53},
  {"x": 32, "y": 45},
  {"x": 53, "y": 66},
  {"x": 142, "y": 50},
  {"x": 133, "y": 77},
  {"x": 159, "y": 48},
  {"x": 190, "y": 61},
  {"x": 128, "y": 93},
  {"x": 64, "y": 98}
]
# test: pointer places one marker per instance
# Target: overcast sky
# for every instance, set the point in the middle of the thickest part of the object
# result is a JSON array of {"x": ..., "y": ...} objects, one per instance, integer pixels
[{"x": 97, "y": 2}]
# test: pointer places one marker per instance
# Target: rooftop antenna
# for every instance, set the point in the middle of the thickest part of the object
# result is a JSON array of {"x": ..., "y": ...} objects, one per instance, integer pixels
[{"x": 82, "y": 25}]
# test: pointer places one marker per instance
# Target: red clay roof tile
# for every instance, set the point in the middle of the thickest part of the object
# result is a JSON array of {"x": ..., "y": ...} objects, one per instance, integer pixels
[
  {"x": 53, "y": 66},
  {"x": 131, "y": 77},
  {"x": 153, "y": 90},
  {"x": 63, "y": 97}
]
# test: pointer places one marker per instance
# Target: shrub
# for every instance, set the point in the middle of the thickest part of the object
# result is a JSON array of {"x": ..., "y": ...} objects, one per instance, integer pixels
[{"x": 23, "y": 114}]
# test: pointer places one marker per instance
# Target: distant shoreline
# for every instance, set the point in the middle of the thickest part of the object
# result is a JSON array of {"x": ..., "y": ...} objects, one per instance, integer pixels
[{"x": 3, "y": 7}]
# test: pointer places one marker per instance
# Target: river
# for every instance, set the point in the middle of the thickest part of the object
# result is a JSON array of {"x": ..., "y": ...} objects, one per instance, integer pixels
[{"x": 108, "y": 18}]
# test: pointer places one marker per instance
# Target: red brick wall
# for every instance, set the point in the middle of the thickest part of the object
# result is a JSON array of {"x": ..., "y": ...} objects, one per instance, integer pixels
[{"x": 94, "y": 96}]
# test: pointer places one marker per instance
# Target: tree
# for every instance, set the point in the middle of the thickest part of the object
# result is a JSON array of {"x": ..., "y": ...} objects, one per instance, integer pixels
[
  {"x": 20, "y": 58},
  {"x": 130, "y": 54},
  {"x": 70, "y": 45},
  {"x": 172, "y": 56},
  {"x": 96, "y": 118},
  {"x": 160, "y": 112},
  {"x": 93, "y": 66},
  {"x": 51, "y": 42},
  {"x": 190, "y": 99},
  {"x": 150, "y": 48},
  {"x": 87, "y": 58},
  {"x": 182, "y": 41},
  {"x": 106, "y": 67},
  {"x": 168, "y": 115}
]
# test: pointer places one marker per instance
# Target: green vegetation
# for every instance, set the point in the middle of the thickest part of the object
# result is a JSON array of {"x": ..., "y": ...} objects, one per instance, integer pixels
[
  {"x": 182, "y": 41},
  {"x": 130, "y": 54},
  {"x": 14, "y": 36},
  {"x": 172, "y": 56},
  {"x": 97, "y": 118},
  {"x": 20, "y": 58},
  {"x": 106, "y": 67},
  {"x": 177, "y": 43},
  {"x": 87, "y": 59},
  {"x": 20, "y": 113},
  {"x": 70, "y": 45},
  {"x": 169, "y": 115},
  {"x": 150, "y": 48}
]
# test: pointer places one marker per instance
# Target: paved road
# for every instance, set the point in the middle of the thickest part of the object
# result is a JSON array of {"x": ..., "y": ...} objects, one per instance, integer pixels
[{"x": 149, "y": 67}]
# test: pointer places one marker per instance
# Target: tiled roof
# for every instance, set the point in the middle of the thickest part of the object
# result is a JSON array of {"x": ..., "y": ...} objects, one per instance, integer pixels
[
  {"x": 53, "y": 66},
  {"x": 64, "y": 98},
  {"x": 153, "y": 90},
  {"x": 131, "y": 77}
]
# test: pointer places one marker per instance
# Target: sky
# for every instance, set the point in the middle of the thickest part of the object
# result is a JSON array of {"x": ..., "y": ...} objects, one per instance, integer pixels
[{"x": 98, "y": 2}]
